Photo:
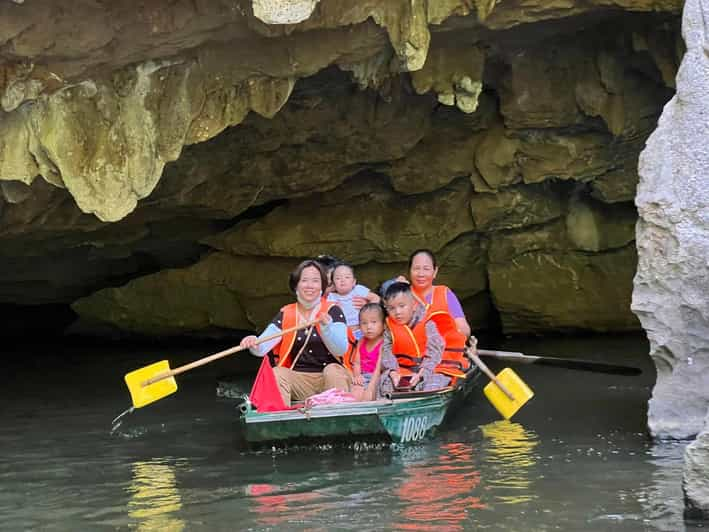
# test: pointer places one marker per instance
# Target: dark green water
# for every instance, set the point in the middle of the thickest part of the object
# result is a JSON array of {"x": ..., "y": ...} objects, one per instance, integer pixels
[{"x": 576, "y": 458}]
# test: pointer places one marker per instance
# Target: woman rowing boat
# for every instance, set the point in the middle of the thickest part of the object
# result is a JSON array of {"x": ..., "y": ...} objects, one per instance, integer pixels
[{"x": 306, "y": 362}]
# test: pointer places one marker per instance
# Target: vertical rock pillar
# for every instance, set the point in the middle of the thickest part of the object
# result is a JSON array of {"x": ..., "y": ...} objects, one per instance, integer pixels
[{"x": 671, "y": 287}]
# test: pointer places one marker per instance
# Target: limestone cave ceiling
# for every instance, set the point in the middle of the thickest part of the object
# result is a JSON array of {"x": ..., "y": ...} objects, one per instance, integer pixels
[{"x": 163, "y": 165}]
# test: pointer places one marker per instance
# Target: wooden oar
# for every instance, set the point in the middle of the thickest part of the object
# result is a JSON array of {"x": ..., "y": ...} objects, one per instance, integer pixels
[
  {"x": 569, "y": 363},
  {"x": 487, "y": 371},
  {"x": 153, "y": 382},
  {"x": 507, "y": 391}
]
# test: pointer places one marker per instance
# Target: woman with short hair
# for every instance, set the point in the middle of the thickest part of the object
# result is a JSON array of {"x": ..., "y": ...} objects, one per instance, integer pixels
[{"x": 307, "y": 361}]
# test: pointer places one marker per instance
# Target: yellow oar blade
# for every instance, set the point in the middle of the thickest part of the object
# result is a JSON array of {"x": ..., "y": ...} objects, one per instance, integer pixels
[
  {"x": 143, "y": 395},
  {"x": 516, "y": 386}
]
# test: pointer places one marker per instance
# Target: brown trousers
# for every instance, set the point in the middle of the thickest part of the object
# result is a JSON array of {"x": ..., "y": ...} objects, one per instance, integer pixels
[{"x": 299, "y": 385}]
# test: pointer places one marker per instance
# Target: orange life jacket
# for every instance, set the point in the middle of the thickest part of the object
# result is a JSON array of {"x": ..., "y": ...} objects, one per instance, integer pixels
[
  {"x": 454, "y": 363},
  {"x": 408, "y": 345},
  {"x": 283, "y": 350},
  {"x": 349, "y": 356}
]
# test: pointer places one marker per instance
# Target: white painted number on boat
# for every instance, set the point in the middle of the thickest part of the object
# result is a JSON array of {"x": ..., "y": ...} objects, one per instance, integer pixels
[{"x": 414, "y": 428}]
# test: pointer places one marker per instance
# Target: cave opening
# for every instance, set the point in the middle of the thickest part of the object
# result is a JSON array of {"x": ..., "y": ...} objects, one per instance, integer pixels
[{"x": 521, "y": 179}]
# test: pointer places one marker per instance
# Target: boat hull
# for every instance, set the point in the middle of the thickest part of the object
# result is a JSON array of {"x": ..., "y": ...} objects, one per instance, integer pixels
[{"x": 403, "y": 419}]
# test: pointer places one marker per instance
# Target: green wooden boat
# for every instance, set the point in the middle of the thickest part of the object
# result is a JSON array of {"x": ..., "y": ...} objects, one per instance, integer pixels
[{"x": 402, "y": 418}]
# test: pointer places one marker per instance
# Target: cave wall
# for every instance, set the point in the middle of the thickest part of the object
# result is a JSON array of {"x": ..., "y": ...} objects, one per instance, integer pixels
[{"x": 165, "y": 167}]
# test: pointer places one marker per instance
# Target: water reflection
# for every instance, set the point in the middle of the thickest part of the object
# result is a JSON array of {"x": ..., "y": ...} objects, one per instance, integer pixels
[
  {"x": 277, "y": 506},
  {"x": 155, "y": 497},
  {"x": 440, "y": 495},
  {"x": 509, "y": 453},
  {"x": 666, "y": 486},
  {"x": 592, "y": 472}
]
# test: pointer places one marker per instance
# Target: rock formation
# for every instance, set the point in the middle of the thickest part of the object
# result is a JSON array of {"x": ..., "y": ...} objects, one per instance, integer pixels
[
  {"x": 163, "y": 166},
  {"x": 695, "y": 483},
  {"x": 671, "y": 297}
]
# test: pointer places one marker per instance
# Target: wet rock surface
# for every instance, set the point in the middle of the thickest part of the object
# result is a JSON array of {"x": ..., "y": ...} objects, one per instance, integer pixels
[
  {"x": 695, "y": 482},
  {"x": 670, "y": 295}
]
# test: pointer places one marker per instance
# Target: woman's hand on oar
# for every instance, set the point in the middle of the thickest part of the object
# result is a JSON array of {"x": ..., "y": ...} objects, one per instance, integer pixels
[
  {"x": 151, "y": 383},
  {"x": 325, "y": 318},
  {"x": 247, "y": 342}
]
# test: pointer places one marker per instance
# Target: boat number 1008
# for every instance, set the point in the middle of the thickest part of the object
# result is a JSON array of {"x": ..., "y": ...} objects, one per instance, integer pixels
[{"x": 414, "y": 428}]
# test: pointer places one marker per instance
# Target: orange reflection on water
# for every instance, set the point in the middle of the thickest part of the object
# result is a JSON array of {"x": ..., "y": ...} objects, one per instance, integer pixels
[
  {"x": 440, "y": 496},
  {"x": 274, "y": 508}
]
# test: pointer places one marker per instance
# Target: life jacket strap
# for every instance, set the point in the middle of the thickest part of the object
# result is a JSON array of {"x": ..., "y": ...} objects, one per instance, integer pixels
[
  {"x": 410, "y": 362},
  {"x": 452, "y": 372},
  {"x": 452, "y": 364}
]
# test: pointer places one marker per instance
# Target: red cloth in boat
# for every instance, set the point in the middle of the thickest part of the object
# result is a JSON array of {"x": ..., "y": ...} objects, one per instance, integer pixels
[{"x": 265, "y": 395}]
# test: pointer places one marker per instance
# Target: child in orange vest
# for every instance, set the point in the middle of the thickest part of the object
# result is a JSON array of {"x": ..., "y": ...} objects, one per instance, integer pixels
[
  {"x": 366, "y": 357},
  {"x": 412, "y": 346}
]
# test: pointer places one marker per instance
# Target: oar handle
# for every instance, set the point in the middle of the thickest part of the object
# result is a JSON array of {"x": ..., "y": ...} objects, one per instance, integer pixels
[
  {"x": 507, "y": 355},
  {"x": 568, "y": 363},
  {"x": 222, "y": 354},
  {"x": 479, "y": 363}
]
